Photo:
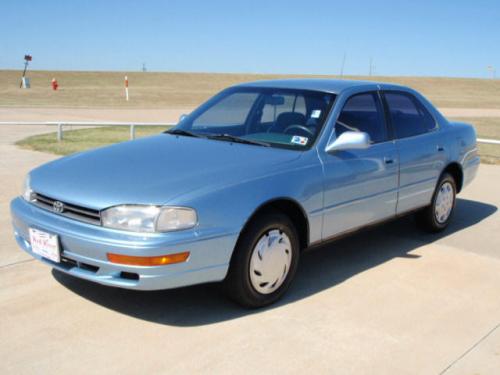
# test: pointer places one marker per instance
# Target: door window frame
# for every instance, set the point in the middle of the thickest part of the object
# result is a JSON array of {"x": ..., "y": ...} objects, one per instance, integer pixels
[
  {"x": 417, "y": 104},
  {"x": 386, "y": 123}
]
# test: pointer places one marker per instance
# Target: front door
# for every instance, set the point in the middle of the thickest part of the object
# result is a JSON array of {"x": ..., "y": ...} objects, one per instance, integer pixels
[{"x": 360, "y": 185}]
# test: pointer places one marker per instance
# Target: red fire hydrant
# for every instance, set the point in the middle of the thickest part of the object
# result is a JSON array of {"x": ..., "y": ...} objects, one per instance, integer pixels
[{"x": 55, "y": 85}]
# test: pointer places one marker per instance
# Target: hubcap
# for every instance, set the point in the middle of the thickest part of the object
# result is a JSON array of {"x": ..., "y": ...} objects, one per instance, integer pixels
[
  {"x": 270, "y": 261},
  {"x": 444, "y": 203}
]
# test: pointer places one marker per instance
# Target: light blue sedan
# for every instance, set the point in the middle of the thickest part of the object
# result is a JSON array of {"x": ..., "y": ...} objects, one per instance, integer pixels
[{"x": 246, "y": 182}]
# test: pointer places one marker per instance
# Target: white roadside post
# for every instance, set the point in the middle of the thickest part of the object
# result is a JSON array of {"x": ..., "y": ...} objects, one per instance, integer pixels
[
  {"x": 59, "y": 132},
  {"x": 126, "y": 88},
  {"x": 132, "y": 131}
]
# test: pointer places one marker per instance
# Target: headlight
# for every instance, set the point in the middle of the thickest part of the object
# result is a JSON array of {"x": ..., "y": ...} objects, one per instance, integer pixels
[
  {"x": 138, "y": 218},
  {"x": 27, "y": 192}
]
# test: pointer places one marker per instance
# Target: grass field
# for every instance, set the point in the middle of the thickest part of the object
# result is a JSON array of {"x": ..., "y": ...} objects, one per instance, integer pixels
[
  {"x": 185, "y": 90},
  {"x": 486, "y": 127},
  {"x": 84, "y": 139}
]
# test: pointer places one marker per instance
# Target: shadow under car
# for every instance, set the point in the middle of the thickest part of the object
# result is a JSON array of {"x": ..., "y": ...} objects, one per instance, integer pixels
[{"x": 319, "y": 269}]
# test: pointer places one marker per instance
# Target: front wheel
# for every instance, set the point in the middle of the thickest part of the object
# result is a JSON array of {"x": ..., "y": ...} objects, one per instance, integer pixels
[
  {"x": 437, "y": 216},
  {"x": 264, "y": 262}
]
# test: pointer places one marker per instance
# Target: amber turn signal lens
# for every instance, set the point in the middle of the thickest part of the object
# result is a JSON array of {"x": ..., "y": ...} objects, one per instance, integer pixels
[{"x": 160, "y": 260}]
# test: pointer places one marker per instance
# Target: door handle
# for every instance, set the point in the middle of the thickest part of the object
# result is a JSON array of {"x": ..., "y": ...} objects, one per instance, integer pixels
[
  {"x": 440, "y": 148},
  {"x": 388, "y": 160}
]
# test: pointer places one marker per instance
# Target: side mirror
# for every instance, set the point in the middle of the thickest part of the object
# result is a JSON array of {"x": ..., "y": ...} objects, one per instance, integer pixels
[{"x": 349, "y": 141}]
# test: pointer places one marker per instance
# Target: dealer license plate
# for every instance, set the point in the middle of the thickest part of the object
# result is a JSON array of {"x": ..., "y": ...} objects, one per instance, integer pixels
[{"x": 45, "y": 244}]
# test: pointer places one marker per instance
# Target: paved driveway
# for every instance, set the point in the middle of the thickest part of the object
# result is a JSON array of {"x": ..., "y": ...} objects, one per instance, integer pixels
[{"x": 390, "y": 300}]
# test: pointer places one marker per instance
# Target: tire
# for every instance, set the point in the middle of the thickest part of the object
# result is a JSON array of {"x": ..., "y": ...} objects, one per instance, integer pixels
[
  {"x": 267, "y": 245},
  {"x": 436, "y": 217}
]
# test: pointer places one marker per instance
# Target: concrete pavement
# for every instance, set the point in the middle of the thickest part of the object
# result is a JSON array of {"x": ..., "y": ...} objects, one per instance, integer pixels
[
  {"x": 387, "y": 300},
  {"x": 14, "y": 164}
]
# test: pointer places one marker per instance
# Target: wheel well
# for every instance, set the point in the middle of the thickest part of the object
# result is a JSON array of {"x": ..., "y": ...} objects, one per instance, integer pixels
[
  {"x": 456, "y": 172},
  {"x": 291, "y": 209}
]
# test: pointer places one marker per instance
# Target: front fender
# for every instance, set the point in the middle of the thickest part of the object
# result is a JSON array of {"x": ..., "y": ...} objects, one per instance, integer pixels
[{"x": 229, "y": 207}]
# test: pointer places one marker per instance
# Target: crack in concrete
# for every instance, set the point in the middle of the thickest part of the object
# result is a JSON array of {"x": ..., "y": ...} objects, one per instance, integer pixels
[
  {"x": 16, "y": 263},
  {"x": 470, "y": 349}
]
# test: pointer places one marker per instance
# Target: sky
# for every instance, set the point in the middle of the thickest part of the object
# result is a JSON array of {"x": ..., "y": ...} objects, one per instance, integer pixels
[{"x": 413, "y": 38}]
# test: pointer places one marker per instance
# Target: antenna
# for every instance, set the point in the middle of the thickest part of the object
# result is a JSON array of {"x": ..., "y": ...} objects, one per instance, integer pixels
[
  {"x": 371, "y": 69},
  {"x": 342, "y": 66}
]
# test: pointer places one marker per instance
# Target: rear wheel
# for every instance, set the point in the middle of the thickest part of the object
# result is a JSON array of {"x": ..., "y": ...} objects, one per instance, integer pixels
[
  {"x": 437, "y": 215},
  {"x": 264, "y": 262}
]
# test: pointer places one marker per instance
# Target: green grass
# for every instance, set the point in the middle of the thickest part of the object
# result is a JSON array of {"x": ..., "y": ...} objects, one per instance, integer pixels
[
  {"x": 84, "y": 139},
  {"x": 187, "y": 90}
]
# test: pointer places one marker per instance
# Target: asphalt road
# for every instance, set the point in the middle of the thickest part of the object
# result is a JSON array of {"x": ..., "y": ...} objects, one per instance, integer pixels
[{"x": 390, "y": 300}]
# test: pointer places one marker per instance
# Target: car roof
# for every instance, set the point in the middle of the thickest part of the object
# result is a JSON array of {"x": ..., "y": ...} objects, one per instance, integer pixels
[{"x": 334, "y": 86}]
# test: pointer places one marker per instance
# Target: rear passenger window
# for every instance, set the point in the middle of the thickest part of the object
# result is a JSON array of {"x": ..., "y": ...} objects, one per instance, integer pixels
[
  {"x": 363, "y": 113},
  {"x": 408, "y": 116}
]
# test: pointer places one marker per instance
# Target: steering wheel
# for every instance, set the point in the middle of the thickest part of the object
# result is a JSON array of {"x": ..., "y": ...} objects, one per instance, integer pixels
[{"x": 299, "y": 127}]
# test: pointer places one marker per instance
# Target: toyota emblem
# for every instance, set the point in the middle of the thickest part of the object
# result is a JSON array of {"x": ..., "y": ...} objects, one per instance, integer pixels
[{"x": 58, "y": 207}]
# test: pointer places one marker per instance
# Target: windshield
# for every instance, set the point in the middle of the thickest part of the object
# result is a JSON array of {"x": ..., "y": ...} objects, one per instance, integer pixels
[{"x": 261, "y": 116}]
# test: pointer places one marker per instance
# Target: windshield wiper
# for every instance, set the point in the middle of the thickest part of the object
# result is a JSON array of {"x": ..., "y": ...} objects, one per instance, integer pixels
[
  {"x": 186, "y": 133},
  {"x": 235, "y": 139}
]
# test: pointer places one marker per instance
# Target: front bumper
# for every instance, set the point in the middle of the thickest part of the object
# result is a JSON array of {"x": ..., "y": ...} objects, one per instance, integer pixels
[{"x": 84, "y": 248}]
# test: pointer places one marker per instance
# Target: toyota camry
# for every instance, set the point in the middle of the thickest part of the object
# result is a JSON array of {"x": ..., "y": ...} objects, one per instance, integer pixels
[{"x": 244, "y": 184}]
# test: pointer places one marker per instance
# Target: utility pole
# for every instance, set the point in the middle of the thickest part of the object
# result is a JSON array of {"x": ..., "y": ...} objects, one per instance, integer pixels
[
  {"x": 342, "y": 66},
  {"x": 144, "y": 68}
]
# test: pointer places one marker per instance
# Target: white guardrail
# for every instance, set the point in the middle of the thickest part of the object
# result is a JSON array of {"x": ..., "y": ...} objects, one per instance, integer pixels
[
  {"x": 490, "y": 141},
  {"x": 60, "y": 125},
  {"x": 132, "y": 125}
]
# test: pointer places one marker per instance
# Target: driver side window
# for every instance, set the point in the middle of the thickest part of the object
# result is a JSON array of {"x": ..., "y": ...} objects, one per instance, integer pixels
[{"x": 363, "y": 113}]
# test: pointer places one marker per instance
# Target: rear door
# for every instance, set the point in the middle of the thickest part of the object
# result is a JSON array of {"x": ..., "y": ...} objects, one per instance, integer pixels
[
  {"x": 421, "y": 150},
  {"x": 360, "y": 185}
]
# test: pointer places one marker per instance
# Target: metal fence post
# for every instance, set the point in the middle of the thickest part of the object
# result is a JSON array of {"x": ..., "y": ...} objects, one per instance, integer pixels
[
  {"x": 132, "y": 131},
  {"x": 59, "y": 132}
]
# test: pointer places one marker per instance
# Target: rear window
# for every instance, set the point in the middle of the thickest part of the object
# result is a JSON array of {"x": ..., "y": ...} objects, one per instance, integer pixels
[{"x": 290, "y": 103}]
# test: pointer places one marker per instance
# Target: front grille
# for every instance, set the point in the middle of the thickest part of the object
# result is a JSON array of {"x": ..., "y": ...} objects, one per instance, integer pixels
[{"x": 72, "y": 211}]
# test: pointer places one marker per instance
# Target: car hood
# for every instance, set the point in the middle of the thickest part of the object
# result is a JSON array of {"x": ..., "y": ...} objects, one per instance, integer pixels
[{"x": 154, "y": 170}]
